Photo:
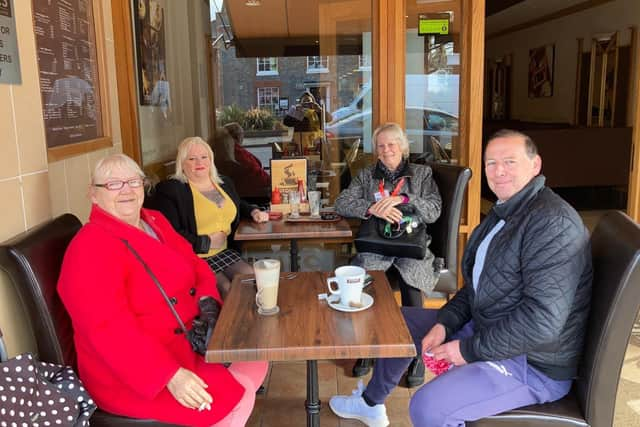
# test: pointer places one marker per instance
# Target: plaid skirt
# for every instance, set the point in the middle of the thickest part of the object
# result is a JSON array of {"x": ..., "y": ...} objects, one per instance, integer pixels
[{"x": 222, "y": 260}]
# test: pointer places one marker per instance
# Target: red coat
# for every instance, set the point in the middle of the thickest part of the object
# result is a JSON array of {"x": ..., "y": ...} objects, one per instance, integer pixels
[
  {"x": 124, "y": 331},
  {"x": 252, "y": 167}
]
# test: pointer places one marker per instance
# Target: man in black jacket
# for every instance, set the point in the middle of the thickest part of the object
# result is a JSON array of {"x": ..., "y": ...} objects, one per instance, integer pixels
[{"x": 514, "y": 333}]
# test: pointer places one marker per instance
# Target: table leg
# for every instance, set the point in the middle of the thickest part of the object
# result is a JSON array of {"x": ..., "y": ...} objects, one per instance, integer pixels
[
  {"x": 294, "y": 255},
  {"x": 313, "y": 401}
]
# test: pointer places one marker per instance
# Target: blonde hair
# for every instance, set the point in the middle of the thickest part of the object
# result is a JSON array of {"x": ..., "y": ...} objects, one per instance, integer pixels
[
  {"x": 105, "y": 166},
  {"x": 183, "y": 153},
  {"x": 398, "y": 134}
]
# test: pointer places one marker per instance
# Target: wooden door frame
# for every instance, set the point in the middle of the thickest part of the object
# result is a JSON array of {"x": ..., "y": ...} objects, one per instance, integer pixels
[
  {"x": 126, "y": 74},
  {"x": 633, "y": 196}
]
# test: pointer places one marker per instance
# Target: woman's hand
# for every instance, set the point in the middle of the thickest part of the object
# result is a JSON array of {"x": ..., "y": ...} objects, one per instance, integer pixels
[
  {"x": 189, "y": 390},
  {"x": 386, "y": 209},
  {"x": 259, "y": 216},
  {"x": 218, "y": 239}
]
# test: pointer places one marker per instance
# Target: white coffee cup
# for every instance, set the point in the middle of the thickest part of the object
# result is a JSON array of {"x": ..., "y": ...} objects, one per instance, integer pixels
[
  {"x": 350, "y": 281},
  {"x": 267, "y": 273}
]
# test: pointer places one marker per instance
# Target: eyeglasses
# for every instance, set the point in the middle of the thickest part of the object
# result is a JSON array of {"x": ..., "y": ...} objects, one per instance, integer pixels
[{"x": 118, "y": 185}]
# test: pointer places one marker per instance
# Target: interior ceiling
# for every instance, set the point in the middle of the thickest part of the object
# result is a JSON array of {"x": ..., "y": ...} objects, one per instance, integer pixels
[{"x": 292, "y": 27}]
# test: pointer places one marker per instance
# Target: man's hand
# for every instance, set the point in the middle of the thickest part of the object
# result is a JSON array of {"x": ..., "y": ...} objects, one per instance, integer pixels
[
  {"x": 450, "y": 352},
  {"x": 189, "y": 390},
  {"x": 259, "y": 216},
  {"x": 218, "y": 239},
  {"x": 434, "y": 338},
  {"x": 385, "y": 209}
]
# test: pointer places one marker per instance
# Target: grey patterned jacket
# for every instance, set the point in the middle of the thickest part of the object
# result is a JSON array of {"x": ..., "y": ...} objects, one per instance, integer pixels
[{"x": 423, "y": 194}]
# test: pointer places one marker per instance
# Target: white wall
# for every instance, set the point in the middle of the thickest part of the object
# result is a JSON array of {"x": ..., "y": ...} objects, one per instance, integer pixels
[{"x": 564, "y": 32}]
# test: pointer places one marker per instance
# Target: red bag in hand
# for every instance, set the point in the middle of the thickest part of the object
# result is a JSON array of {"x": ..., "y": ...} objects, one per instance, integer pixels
[{"x": 436, "y": 366}]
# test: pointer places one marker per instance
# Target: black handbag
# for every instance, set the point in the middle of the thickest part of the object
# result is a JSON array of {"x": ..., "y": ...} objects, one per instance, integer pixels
[
  {"x": 202, "y": 326},
  {"x": 409, "y": 239}
]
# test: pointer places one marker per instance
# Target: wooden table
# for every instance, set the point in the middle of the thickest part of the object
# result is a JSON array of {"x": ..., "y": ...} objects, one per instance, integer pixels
[
  {"x": 282, "y": 230},
  {"x": 308, "y": 329}
]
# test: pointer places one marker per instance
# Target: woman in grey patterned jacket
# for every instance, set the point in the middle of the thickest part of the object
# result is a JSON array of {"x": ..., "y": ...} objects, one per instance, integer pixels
[{"x": 401, "y": 183}]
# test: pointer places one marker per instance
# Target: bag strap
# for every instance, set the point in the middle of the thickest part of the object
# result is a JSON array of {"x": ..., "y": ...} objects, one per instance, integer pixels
[{"x": 160, "y": 288}]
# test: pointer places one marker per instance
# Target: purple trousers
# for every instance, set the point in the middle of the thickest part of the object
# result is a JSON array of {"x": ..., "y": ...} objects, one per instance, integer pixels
[{"x": 464, "y": 393}]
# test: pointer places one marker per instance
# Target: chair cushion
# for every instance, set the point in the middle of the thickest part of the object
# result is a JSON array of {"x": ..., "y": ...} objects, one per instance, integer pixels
[{"x": 564, "y": 412}]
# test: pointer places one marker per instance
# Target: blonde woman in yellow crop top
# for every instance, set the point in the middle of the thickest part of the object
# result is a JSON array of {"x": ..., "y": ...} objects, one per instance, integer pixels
[{"x": 204, "y": 208}]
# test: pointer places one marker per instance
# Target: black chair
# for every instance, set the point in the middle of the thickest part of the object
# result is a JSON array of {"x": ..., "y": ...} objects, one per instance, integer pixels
[
  {"x": 452, "y": 182},
  {"x": 32, "y": 261},
  {"x": 615, "y": 301}
]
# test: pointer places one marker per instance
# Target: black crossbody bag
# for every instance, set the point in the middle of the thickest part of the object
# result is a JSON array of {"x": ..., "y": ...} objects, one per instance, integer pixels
[
  {"x": 202, "y": 326},
  {"x": 407, "y": 240}
]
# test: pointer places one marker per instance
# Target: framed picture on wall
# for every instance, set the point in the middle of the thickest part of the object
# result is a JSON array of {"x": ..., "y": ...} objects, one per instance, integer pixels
[
  {"x": 151, "y": 54},
  {"x": 73, "y": 78},
  {"x": 541, "y": 71}
]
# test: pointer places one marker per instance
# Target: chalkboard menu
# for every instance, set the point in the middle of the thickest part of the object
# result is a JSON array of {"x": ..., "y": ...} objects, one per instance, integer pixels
[{"x": 67, "y": 58}]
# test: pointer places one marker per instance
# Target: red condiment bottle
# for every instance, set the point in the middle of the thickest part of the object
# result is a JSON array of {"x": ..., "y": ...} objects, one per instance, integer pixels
[
  {"x": 276, "y": 197},
  {"x": 303, "y": 195}
]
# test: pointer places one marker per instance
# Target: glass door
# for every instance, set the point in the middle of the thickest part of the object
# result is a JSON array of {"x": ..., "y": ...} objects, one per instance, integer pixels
[{"x": 432, "y": 80}]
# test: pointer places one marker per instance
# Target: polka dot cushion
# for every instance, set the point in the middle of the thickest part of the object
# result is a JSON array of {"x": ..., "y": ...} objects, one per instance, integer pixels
[{"x": 37, "y": 394}]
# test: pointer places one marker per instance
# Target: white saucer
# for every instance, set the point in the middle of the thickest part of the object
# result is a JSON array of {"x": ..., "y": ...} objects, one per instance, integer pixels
[{"x": 334, "y": 302}]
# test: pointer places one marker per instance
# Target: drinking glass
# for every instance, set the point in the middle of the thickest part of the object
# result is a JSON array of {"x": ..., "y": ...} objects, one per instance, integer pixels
[
  {"x": 294, "y": 204},
  {"x": 314, "y": 203}
]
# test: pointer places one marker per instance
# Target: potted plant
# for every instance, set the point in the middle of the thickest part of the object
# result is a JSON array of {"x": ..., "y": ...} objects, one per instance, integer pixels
[{"x": 229, "y": 114}]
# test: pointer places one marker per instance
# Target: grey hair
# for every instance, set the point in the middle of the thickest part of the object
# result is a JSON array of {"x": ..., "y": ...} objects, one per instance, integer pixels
[
  {"x": 105, "y": 166},
  {"x": 398, "y": 134},
  {"x": 183, "y": 153},
  {"x": 530, "y": 147}
]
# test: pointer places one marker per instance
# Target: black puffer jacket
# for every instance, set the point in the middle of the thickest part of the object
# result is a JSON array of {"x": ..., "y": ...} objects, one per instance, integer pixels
[{"x": 535, "y": 287}]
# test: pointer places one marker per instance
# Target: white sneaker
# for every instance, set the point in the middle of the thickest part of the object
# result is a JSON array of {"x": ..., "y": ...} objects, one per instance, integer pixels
[{"x": 354, "y": 407}]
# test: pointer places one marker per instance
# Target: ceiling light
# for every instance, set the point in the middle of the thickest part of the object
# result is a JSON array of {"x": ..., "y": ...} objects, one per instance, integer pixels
[{"x": 253, "y": 3}]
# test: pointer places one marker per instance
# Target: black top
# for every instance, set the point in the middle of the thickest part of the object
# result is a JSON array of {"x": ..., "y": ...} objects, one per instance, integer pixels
[{"x": 175, "y": 200}]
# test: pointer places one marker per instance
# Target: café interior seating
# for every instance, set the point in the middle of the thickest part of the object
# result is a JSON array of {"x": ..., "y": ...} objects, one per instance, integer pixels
[
  {"x": 615, "y": 247},
  {"x": 32, "y": 261}
]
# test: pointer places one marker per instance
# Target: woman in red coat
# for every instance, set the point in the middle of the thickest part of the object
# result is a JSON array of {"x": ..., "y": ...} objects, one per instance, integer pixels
[{"x": 132, "y": 359}]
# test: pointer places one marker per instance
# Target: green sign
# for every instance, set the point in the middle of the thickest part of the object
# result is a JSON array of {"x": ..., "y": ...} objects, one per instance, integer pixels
[{"x": 433, "y": 26}]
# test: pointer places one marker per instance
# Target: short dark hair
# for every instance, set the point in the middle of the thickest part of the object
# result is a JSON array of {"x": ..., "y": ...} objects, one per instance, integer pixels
[{"x": 530, "y": 147}]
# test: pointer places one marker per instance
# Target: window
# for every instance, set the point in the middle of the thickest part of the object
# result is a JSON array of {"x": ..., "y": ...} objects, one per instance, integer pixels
[
  {"x": 317, "y": 64},
  {"x": 268, "y": 98},
  {"x": 267, "y": 66},
  {"x": 364, "y": 62}
]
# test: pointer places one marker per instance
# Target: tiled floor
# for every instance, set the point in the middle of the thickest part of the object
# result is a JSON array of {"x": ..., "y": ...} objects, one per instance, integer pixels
[{"x": 283, "y": 404}]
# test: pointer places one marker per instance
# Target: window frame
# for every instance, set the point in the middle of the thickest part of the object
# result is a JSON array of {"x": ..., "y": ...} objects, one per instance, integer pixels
[
  {"x": 322, "y": 60},
  {"x": 273, "y": 71},
  {"x": 273, "y": 107}
]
